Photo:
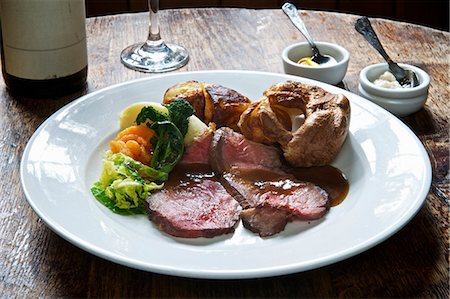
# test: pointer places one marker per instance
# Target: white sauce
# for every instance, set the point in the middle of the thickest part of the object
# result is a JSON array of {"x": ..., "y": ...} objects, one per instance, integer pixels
[{"x": 387, "y": 80}]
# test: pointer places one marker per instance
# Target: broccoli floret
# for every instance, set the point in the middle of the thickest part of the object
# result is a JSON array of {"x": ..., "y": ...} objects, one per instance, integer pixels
[
  {"x": 150, "y": 113},
  {"x": 168, "y": 143},
  {"x": 179, "y": 112}
]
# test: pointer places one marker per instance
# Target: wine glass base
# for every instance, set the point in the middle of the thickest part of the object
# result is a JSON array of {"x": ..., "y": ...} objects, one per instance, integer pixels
[{"x": 164, "y": 58}]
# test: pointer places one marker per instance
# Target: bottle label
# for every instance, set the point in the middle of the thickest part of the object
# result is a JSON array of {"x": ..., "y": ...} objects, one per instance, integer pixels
[{"x": 43, "y": 39}]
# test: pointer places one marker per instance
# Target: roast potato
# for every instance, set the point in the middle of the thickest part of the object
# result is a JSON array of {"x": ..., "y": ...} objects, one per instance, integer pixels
[
  {"x": 193, "y": 92},
  {"x": 212, "y": 103}
]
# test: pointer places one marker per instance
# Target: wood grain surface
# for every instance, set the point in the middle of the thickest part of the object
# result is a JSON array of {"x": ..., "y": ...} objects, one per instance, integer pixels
[{"x": 35, "y": 262}]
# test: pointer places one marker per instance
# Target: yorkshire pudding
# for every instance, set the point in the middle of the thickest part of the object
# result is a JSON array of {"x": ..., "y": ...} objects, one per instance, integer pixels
[
  {"x": 212, "y": 103},
  {"x": 309, "y": 123}
]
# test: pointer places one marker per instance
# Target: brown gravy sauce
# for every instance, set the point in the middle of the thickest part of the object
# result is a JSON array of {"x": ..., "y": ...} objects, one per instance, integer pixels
[
  {"x": 329, "y": 178},
  {"x": 268, "y": 181},
  {"x": 185, "y": 174}
]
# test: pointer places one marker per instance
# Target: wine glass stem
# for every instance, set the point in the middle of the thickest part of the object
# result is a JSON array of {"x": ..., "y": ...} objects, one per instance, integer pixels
[
  {"x": 154, "y": 55},
  {"x": 153, "y": 35}
]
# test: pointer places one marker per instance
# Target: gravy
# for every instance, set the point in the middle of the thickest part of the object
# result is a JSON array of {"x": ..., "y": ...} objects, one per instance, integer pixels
[
  {"x": 328, "y": 178},
  {"x": 185, "y": 174},
  {"x": 267, "y": 180}
]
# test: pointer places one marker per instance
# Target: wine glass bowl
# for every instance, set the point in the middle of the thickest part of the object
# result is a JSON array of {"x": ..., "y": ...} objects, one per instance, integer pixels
[{"x": 154, "y": 55}]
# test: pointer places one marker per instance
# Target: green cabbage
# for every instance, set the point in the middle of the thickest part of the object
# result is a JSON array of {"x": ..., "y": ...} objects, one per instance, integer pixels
[{"x": 125, "y": 183}]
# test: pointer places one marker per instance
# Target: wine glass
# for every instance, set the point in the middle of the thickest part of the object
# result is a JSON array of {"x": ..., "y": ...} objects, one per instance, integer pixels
[{"x": 154, "y": 55}]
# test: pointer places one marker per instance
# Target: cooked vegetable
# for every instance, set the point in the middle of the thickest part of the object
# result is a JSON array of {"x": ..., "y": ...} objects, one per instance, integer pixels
[
  {"x": 125, "y": 183},
  {"x": 150, "y": 113},
  {"x": 193, "y": 92},
  {"x": 158, "y": 141},
  {"x": 134, "y": 142},
  {"x": 169, "y": 146},
  {"x": 168, "y": 143},
  {"x": 179, "y": 111},
  {"x": 196, "y": 128},
  {"x": 128, "y": 115},
  {"x": 212, "y": 103}
]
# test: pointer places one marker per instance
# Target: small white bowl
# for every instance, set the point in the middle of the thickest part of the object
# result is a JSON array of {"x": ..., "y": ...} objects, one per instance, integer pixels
[
  {"x": 399, "y": 101},
  {"x": 331, "y": 74}
]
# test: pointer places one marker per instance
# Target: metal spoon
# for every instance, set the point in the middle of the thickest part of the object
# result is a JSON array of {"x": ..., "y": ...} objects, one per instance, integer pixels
[
  {"x": 406, "y": 78},
  {"x": 291, "y": 11}
]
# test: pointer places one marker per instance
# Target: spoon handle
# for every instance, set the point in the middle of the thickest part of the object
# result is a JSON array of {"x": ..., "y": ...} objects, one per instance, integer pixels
[
  {"x": 364, "y": 27},
  {"x": 291, "y": 11}
]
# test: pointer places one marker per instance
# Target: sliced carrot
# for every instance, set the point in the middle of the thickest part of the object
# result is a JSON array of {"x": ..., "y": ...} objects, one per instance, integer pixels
[
  {"x": 134, "y": 142},
  {"x": 134, "y": 147},
  {"x": 140, "y": 130}
]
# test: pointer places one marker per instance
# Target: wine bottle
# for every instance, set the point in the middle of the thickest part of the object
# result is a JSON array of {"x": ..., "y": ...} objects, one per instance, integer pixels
[{"x": 43, "y": 46}]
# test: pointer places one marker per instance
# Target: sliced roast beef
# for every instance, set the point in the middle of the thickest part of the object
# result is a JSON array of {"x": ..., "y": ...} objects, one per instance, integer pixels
[
  {"x": 198, "y": 151},
  {"x": 271, "y": 199},
  {"x": 247, "y": 182},
  {"x": 265, "y": 221},
  {"x": 193, "y": 204},
  {"x": 231, "y": 149}
]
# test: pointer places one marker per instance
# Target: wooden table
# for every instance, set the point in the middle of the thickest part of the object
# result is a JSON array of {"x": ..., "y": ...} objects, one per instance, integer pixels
[{"x": 35, "y": 262}]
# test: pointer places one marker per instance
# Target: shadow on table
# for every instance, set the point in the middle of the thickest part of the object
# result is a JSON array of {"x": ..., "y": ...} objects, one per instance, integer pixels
[{"x": 42, "y": 107}]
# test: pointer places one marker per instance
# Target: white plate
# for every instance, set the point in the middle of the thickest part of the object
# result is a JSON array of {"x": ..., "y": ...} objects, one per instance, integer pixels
[{"x": 387, "y": 167}]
